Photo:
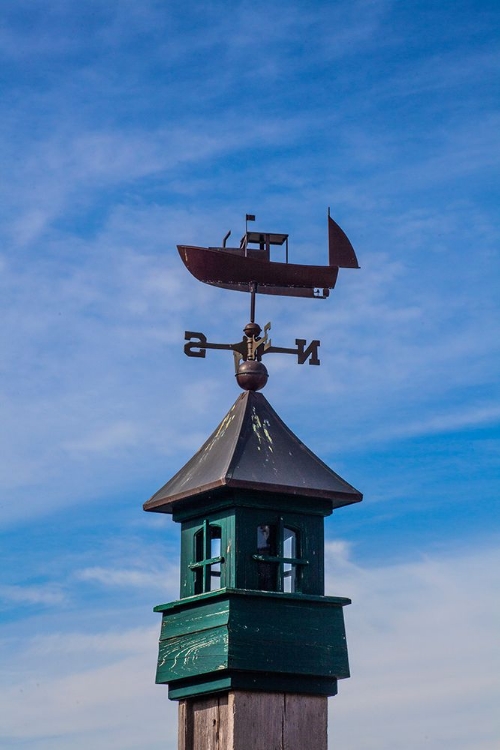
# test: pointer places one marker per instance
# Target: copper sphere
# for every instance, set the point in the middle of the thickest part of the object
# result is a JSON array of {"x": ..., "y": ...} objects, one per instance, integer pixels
[
  {"x": 251, "y": 330},
  {"x": 252, "y": 375}
]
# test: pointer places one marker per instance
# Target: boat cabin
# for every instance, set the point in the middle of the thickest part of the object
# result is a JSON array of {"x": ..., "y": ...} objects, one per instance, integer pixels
[{"x": 257, "y": 245}]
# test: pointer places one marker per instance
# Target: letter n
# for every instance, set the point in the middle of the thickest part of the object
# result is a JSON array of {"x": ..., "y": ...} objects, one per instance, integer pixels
[{"x": 311, "y": 353}]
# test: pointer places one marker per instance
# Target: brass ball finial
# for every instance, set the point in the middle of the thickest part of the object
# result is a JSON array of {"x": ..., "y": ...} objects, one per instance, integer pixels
[
  {"x": 252, "y": 330},
  {"x": 252, "y": 375}
]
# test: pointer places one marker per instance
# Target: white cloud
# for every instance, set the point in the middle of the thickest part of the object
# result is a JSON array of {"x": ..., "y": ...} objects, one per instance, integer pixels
[
  {"x": 46, "y": 594},
  {"x": 457, "y": 419},
  {"x": 112, "y": 437},
  {"x": 422, "y": 651},
  {"x": 112, "y": 642},
  {"x": 110, "y": 702},
  {"x": 129, "y": 577}
]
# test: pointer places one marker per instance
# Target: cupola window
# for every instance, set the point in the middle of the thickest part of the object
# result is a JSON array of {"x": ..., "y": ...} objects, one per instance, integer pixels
[
  {"x": 278, "y": 558},
  {"x": 207, "y": 558}
]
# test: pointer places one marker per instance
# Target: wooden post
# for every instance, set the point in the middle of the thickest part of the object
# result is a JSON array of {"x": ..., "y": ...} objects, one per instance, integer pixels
[{"x": 242, "y": 720}]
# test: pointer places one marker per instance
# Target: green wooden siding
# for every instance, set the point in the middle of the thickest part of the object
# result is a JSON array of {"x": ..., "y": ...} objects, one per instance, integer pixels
[
  {"x": 299, "y": 640},
  {"x": 268, "y": 683}
]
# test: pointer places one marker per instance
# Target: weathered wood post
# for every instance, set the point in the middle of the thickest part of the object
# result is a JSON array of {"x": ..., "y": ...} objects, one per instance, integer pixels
[{"x": 252, "y": 648}]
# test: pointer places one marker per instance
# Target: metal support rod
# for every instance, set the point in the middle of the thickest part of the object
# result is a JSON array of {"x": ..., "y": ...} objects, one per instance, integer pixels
[{"x": 253, "y": 290}]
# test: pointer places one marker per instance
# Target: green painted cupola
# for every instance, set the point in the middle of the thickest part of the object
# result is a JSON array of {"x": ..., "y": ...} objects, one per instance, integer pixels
[{"x": 252, "y": 614}]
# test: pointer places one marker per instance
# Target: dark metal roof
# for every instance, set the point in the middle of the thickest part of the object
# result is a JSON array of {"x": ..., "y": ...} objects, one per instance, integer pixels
[{"x": 252, "y": 448}]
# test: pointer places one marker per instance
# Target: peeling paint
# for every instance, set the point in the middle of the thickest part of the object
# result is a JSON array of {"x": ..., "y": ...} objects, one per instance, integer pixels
[
  {"x": 262, "y": 431},
  {"x": 224, "y": 425}
]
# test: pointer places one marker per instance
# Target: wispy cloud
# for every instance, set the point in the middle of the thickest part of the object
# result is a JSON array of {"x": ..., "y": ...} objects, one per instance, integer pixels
[
  {"x": 112, "y": 437},
  {"x": 130, "y": 577},
  {"x": 457, "y": 419},
  {"x": 44, "y": 594},
  {"x": 406, "y": 631},
  {"x": 105, "y": 702}
]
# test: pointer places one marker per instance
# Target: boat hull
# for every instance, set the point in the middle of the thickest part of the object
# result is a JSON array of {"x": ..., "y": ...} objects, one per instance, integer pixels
[{"x": 230, "y": 270}]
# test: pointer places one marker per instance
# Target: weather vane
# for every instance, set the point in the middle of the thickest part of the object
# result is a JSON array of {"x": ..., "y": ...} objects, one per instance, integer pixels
[{"x": 249, "y": 268}]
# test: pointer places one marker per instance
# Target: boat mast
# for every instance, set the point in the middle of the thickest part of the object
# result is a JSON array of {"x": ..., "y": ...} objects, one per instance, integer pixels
[{"x": 253, "y": 291}]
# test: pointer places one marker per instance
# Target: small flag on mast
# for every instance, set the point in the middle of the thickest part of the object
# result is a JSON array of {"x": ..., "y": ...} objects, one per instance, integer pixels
[{"x": 248, "y": 217}]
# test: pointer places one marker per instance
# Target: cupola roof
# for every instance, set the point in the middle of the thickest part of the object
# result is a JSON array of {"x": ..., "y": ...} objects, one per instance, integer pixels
[{"x": 253, "y": 449}]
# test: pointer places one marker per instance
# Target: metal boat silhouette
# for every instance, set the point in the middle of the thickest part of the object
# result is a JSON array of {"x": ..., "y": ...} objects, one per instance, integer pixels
[{"x": 249, "y": 267}]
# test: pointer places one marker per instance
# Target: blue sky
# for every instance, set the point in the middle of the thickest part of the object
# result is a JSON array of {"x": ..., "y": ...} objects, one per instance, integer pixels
[{"x": 130, "y": 127}]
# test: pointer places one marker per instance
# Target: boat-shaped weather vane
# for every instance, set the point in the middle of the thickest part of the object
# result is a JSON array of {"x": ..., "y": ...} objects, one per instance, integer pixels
[{"x": 249, "y": 268}]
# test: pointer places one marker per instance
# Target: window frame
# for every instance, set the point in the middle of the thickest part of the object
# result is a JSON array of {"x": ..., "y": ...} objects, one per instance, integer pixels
[
  {"x": 202, "y": 561},
  {"x": 279, "y": 559}
]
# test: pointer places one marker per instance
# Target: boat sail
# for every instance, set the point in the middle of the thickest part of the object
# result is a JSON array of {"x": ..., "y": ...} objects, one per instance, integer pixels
[{"x": 249, "y": 266}]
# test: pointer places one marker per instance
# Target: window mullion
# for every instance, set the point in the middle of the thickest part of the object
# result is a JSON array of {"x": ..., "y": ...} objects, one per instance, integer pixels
[
  {"x": 206, "y": 555},
  {"x": 281, "y": 552}
]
